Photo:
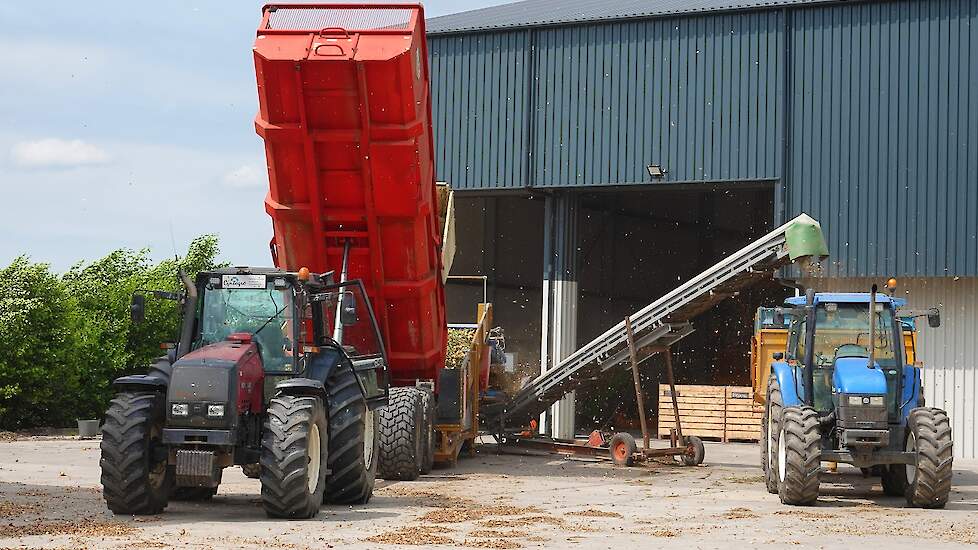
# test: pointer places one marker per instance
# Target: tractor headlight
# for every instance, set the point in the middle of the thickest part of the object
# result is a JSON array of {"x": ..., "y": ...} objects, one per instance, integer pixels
[
  {"x": 215, "y": 410},
  {"x": 180, "y": 409},
  {"x": 868, "y": 400}
]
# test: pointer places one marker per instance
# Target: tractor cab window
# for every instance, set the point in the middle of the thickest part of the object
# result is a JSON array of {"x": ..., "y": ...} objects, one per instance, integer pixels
[
  {"x": 842, "y": 331},
  {"x": 266, "y": 313}
]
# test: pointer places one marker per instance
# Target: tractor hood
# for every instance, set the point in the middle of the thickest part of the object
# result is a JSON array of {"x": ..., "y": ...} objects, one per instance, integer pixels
[
  {"x": 852, "y": 376},
  {"x": 226, "y": 374}
]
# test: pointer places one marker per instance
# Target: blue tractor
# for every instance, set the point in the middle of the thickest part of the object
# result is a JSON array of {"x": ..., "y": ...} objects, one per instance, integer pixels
[{"x": 843, "y": 392}]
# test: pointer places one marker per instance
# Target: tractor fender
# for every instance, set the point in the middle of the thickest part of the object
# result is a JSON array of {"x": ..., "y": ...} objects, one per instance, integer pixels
[
  {"x": 140, "y": 383},
  {"x": 785, "y": 375},
  {"x": 305, "y": 387},
  {"x": 913, "y": 391}
]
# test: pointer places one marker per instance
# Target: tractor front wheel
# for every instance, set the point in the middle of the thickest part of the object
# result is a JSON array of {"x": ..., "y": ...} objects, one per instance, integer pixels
[
  {"x": 295, "y": 446},
  {"x": 929, "y": 477},
  {"x": 353, "y": 441},
  {"x": 135, "y": 477},
  {"x": 770, "y": 431},
  {"x": 799, "y": 456}
]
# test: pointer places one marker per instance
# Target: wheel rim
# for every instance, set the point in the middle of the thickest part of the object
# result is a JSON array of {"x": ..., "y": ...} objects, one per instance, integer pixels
[
  {"x": 368, "y": 439},
  {"x": 782, "y": 461},
  {"x": 621, "y": 451},
  {"x": 314, "y": 453},
  {"x": 912, "y": 448}
]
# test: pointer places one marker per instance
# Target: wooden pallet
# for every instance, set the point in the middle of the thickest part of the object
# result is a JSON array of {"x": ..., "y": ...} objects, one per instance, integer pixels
[{"x": 716, "y": 412}]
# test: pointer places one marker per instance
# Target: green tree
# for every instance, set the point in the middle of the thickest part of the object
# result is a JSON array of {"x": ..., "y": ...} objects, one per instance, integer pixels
[{"x": 64, "y": 339}]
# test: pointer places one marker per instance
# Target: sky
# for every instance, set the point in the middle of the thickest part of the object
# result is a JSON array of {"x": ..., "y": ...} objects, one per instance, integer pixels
[{"x": 131, "y": 125}]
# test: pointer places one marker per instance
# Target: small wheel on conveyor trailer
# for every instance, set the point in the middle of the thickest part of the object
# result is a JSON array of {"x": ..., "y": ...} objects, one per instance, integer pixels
[
  {"x": 695, "y": 451},
  {"x": 622, "y": 449}
]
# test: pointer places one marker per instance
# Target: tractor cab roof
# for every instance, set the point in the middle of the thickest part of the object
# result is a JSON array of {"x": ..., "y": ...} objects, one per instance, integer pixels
[
  {"x": 316, "y": 279},
  {"x": 846, "y": 298}
]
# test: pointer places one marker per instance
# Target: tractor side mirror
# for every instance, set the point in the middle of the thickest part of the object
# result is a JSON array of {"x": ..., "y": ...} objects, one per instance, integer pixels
[
  {"x": 778, "y": 356},
  {"x": 348, "y": 309},
  {"x": 934, "y": 318},
  {"x": 137, "y": 308}
]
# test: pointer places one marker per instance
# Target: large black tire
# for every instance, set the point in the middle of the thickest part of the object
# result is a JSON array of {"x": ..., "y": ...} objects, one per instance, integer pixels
[
  {"x": 799, "y": 456},
  {"x": 428, "y": 432},
  {"x": 893, "y": 478},
  {"x": 770, "y": 431},
  {"x": 135, "y": 477},
  {"x": 929, "y": 480},
  {"x": 294, "y": 456},
  {"x": 353, "y": 442},
  {"x": 401, "y": 420}
]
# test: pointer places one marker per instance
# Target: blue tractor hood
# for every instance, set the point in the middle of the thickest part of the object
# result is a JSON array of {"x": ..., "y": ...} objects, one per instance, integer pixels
[{"x": 852, "y": 376}]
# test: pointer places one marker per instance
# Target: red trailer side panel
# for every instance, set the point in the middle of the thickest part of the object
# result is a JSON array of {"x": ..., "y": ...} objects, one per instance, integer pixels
[{"x": 344, "y": 111}]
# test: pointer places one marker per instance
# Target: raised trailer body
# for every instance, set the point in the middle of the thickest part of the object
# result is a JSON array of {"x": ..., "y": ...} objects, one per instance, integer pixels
[{"x": 345, "y": 115}]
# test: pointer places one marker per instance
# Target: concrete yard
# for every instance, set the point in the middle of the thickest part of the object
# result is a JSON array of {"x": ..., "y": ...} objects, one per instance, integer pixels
[{"x": 50, "y": 498}]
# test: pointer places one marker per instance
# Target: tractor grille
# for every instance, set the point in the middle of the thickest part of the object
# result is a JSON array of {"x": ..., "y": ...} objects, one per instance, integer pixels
[{"x": 362, "y": 19}]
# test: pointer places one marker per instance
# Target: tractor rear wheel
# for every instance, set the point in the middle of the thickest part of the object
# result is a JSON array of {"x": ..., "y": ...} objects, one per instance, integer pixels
[
  {"x": 893, "y": 478},
  {"x": 929, "y": 478},
  {"x": 353, "y": 441},
  {"x": 135, "y": 477},
  {"x": 799, "y": 456},
  {"x": 295, "y": 446},
  {"x": 770, "y": 431},
  {"x": 401, "y": 423},
  {"x": 428, "y": 432}
]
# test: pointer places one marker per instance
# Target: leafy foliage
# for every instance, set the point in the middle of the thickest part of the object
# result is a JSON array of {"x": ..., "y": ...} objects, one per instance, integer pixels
[{"x": 63, "y": 339}]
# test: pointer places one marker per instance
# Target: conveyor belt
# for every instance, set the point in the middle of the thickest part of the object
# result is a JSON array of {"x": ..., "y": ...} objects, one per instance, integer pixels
[{"x": 666, "y": 320}]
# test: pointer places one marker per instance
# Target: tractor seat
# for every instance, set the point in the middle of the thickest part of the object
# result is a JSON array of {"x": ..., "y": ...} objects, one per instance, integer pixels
[{"x": 851, "y": 350}]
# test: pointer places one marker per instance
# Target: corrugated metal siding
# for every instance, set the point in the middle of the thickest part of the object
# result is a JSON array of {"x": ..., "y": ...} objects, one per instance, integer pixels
[
  {"x": 700, "y": 96},
  {"x": 479, "y": 104},
  {"x": 949, "y": 353},
  {"x": 884, "y": 134}
]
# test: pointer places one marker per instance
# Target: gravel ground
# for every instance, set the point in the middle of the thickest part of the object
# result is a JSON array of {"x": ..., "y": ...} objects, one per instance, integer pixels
[{"x": 50, "y": 498}]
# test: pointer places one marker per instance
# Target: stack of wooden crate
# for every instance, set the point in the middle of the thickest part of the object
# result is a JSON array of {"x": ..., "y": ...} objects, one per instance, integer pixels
[{"x": 716, "y": 412}]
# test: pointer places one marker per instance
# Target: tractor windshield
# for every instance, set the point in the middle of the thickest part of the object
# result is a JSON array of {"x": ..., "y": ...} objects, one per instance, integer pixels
[
  {"x": 265, "y": 313},
  {"x": 841, "y": 331}
]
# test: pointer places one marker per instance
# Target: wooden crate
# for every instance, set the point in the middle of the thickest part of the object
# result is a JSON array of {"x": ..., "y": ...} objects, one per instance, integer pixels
[{"x": 716, "y": 412}]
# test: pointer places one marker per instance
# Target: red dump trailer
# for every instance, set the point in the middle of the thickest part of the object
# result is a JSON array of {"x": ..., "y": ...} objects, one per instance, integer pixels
[{"x": 344, "y": 109}]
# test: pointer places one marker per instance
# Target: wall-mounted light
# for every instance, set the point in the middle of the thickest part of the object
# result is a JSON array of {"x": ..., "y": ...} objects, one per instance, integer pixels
[{"x": 656, "y": 171}]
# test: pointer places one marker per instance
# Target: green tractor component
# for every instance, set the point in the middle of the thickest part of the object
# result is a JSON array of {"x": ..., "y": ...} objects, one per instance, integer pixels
[
  {"x": 845, "y": 390},
  {"x": 278, "y": 372}
]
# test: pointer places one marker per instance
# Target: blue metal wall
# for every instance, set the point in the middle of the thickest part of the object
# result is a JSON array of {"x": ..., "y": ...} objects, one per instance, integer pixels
[
  {"x": 880, "y": 141},
  {"x": 884, "y": 134},
  {"x": 596, "y": 104}
]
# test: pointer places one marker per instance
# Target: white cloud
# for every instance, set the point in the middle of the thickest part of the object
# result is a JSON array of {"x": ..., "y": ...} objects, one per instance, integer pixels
[
  {"x": 246, "y": 176},
  {"x": 57, "y": 153}
]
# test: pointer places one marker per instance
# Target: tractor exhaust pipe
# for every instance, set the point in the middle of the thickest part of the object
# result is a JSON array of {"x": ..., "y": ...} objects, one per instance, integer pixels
[
  {"x": 872, "y": 327},
  {"x": 809, "y": 359},
  {"x": 189, "y": 310},
  {"x": 344, "y": 273}
]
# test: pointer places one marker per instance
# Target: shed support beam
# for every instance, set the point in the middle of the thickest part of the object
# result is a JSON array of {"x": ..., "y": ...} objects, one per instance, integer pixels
[{"x": 560, "y": 299}]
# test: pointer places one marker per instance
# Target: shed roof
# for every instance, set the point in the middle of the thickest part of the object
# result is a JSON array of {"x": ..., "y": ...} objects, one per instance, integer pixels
[{"x": 531, "y": 13}]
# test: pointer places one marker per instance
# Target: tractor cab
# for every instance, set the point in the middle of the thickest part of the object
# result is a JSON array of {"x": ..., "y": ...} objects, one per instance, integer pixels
[{"x": 842, "y": 348}]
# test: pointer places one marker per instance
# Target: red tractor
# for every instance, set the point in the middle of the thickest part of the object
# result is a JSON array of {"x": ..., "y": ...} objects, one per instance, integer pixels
[{"x": 278, "y": 372}]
